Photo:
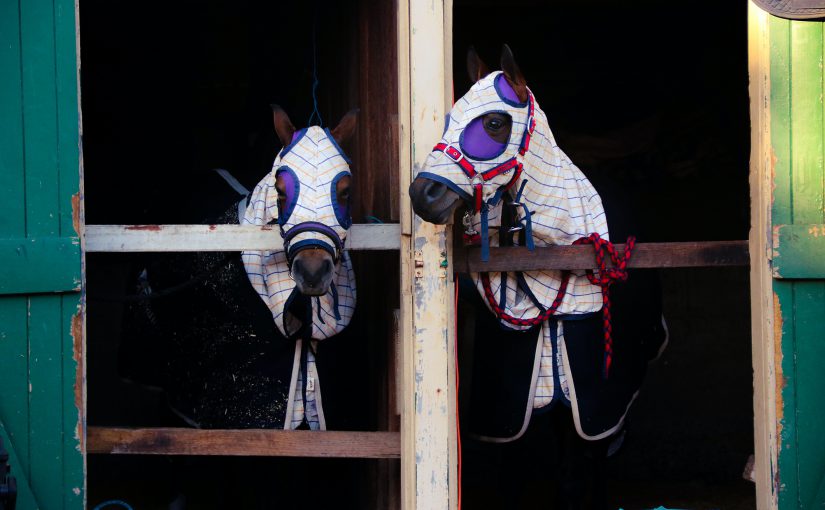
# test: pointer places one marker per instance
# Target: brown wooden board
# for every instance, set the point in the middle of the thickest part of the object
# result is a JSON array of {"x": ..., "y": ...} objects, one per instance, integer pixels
[
  {"x": 257, "y": 442},
  {"x": 645, "y": 255}
]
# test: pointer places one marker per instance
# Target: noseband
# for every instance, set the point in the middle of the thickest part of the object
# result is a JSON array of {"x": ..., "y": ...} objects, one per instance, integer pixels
[
  {"x": 291, "y": 250},
  {"x": 477, "y": 180}
]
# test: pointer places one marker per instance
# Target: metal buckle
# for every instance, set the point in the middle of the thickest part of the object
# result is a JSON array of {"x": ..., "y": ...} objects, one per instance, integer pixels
[
  {"x": 467, "y": 220},
  {"x": 455, "y": 159}
]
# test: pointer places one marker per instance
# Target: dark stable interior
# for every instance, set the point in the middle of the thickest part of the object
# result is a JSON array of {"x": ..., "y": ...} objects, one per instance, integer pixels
[
  {"x": 171, "y": 91},
  {"x": 649, "y": 99}
]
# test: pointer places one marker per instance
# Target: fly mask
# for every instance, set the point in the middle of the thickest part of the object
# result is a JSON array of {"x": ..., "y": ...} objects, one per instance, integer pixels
[
  {"x": 552, "y": 202},
  {"x": 310, "y": 215}
]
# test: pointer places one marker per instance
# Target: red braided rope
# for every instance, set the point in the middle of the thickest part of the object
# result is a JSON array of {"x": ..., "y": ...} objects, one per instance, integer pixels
[{"x": 606, "y": 277}]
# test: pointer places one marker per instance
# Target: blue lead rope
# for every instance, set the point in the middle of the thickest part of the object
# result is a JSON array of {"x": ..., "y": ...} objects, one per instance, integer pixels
[
  {"x": 526, "y": 222},
  {"x": 334, "y": 290},
  {"x": 485, "y": 240}
]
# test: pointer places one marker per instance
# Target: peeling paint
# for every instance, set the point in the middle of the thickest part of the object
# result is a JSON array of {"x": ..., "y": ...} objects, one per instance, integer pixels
[
  {"x": 779, "y": 378},
  {"x": 77, "y": 356},
  {"x": 152, "y": 228},
  {"x": 76, "y": 212}
]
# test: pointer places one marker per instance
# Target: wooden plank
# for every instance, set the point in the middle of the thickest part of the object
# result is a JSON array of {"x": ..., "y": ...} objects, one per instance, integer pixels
[
  {"x": 25, "y": 496},
  {"x": 809, "y": 309},
  {"x": 260, "y": 442},
  {"x": 14, "y": 369},
  {"x": 39, "y": 117},
  {"x": 12, "y": 210},
  {"x": 430, "y": 419},
  {"x": 645, "y": 255},
  {"x": 406, "y": 381},
  {"x": 806, "y": 123},
  {"x": 34, "y": 265},
  {"x": 179, "y": 238},
  {"x": 780, "y": 118},
  {"x": 68, "y": 107},
  {"x": 762, "y": 297},
  {"x": 45, "y": 399}
]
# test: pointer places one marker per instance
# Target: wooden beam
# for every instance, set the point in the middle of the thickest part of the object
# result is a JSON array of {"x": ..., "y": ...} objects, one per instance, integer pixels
[
  {"x": 765, "y": 343},
  {"x": 645, "y": 255},
  {"x": 428, "y": 427},
  {"x": 247, "y": 442},
  {"x": 182, "y": 238}
]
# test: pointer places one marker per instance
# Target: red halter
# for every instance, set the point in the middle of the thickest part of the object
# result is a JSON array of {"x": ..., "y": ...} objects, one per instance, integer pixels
[{"x": 477, "y": 179}]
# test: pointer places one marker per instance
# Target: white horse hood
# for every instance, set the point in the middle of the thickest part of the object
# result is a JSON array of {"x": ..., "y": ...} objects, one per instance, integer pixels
[
  {"x": 563, "y": 205},
  {"x": 312, "y": 165}
]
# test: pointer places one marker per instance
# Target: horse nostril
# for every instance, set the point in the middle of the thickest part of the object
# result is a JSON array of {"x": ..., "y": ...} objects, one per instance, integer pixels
[
  {"x": 434, "y": 190},
  {"x": 327, "y": 266}
]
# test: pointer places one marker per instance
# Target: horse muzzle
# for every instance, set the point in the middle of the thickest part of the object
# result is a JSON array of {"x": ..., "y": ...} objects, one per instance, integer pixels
[
  {"x": 433, "y": 201},
  {"x": 313, "y": 269}
]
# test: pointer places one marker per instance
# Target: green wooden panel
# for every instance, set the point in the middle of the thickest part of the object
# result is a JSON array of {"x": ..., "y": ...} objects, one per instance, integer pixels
[
  {"x": 14, "y": 374},
  {"x": 12, "y": 215},
  {"x": 798, "y": 141},
  {"x": 45, "y": 396},
  {"x": 780, "y": 62},
  {"x": 68, "y": 141},
  {"x": 25, "y": 496},
  {"x": 46, "y": 264},
  {"x": 806, "y": 122},
  {"x": 799, "y": 251},
  {"x": 40, "y": 259},
  {"x": 780, "y": 57},
  {"x": 809, "y": 308},
  {"x": 39, "y": 117}
]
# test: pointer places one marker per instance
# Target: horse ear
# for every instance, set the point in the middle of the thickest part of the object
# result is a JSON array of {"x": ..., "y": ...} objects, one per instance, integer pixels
[
  {"x": 346, "y": 128},
  {"x": 513, "y": 74},
  {"x": 283, "y": 126},
  {"x": 476, "y": 68}
]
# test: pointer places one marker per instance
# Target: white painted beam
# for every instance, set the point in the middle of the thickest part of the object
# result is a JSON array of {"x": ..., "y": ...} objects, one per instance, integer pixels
[
  {"x": 180, "y": 238},
  {"x": 428, "y": 430}
]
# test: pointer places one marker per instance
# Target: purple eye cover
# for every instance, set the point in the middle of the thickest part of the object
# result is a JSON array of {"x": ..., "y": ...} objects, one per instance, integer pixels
[
  {"x": 506, "y": 92},
  {"x": 342, "y": 213},
  {"x": 477, "y": 144},
  {"x": 291, "y": 189}
]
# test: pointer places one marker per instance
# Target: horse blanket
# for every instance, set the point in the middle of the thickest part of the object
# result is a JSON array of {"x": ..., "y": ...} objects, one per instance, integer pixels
[{"x": 530, "y": 186}]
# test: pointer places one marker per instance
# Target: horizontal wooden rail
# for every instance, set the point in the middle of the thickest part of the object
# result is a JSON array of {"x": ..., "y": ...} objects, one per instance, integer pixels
[
  {"x": 247, "y": 442},
  {"x": 180, "y": 238},
  {"x": 645, "y": 255}
]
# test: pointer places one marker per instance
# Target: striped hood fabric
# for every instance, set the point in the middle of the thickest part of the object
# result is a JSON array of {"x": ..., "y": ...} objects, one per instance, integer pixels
[
  {"x": 313, "y": 163},
  {"x": 563, "y": 204}
]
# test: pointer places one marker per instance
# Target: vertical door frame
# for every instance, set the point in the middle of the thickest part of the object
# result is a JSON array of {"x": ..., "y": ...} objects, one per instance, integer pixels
[
  {"x": 429, "y": 471},
  {"x": 765, "y": 315}
]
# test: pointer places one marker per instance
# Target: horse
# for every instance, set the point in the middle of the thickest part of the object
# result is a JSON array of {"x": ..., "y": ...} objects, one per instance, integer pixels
[
  {"x": 250, "y": 336},
  {"x": 542, "y": 358},
  {"x": 260, "y": 339}
]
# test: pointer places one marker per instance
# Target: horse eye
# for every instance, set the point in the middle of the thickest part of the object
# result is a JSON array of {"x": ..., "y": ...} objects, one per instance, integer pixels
[
  {"x": 343, "y": 195},
  {"x": 495, "y": 123}
]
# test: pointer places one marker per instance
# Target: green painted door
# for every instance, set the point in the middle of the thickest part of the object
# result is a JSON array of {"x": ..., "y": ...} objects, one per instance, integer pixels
[
  {"x": 798, "y": 142},
  {"x": 40, "y": 258}
]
